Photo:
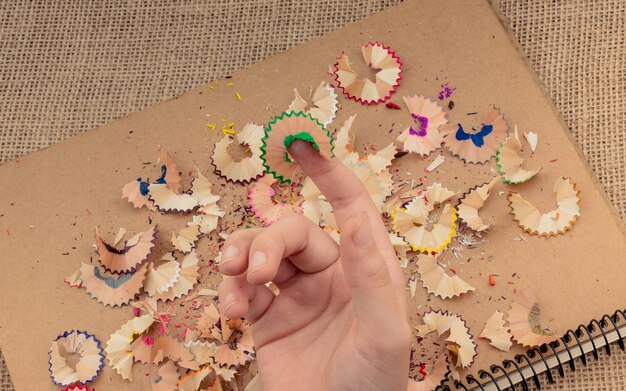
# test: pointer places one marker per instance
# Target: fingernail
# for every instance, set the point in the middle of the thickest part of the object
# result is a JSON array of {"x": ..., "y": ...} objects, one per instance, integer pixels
[
  {"x": 362, "y": 234},
  {"x": 229, "y": 301},
  {"x": 257, "y": 261},
  {"x": 229, "y": 254},
  {"x": 299, "y": 148}
]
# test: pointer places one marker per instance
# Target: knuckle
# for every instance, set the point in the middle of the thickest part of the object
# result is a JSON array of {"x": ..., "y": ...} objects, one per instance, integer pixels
[
  {"x": 291, "y": 228},
  {"x": 374, "y": 350},
  {"x": 266, "y": 237},
  {"x": 377, "y": 275},
  {"x": 371, "y": 350},
  {"x": 291, "y": 218},
  {"x": 224, "y": 287},
  {"x": 343, "y": 200},
  {"x": 397, "y": 344},
  {"x": 239, "y": 236},
  {"x": 269, "y": 241},
  {"x": 403, "y": 337},
  {"x": 322, "y": 170},
  {"x": 347, "y": 191}
]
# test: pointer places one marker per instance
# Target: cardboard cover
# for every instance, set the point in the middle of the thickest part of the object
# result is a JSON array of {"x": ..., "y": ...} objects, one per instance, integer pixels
[{"x": 52, "y": 200}]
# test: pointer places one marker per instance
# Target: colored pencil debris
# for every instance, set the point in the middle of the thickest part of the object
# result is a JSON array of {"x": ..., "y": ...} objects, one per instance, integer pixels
[{"x": 179, "y": 331}]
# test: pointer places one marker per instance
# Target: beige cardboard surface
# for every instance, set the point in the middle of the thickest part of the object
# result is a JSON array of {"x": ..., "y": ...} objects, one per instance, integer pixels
[{"x": 52, "y": 200}]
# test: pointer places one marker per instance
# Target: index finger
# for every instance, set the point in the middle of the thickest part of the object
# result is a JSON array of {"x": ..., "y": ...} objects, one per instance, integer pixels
[{"x": 346, "y": 193}]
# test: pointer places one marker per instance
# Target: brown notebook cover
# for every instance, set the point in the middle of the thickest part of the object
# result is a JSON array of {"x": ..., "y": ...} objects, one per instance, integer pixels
[{"x": 52, "y": 200}]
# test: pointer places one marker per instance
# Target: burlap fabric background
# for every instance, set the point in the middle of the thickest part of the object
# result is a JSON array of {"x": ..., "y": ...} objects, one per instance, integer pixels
[{"x": 69, "y": 66}]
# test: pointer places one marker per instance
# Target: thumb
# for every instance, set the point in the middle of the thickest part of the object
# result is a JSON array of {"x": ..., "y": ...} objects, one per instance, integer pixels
[{"x": 376, "y": 302}]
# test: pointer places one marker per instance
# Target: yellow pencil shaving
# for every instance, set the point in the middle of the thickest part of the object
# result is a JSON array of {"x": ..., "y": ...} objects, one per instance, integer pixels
[
  {"x": 211, "y": 126},
  {"x": 238, "y": 96},
  {"x": 230, "y": 84},
  {"x": 229, "y": 129}
]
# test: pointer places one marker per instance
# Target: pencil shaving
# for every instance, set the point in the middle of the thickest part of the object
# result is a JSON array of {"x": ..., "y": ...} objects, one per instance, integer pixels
[
  {"x": 470, "y": 204},
  {"x": 172, "y": 173},
  {"x": 137, "y": 195},
  {"x": 184, "y": 283},
  {"x": 461, "y": 346},
  {"x": 281, "y": 132},
  {"x": 510, "y": 161},
  {"x": 423, "y": 137},
  {"x": 497, "y": 333},
  {"x": 554, "y": 222},
  {"x": 160, "y": 279},
  {"x": 134, "y": 252},
  {"x": 323, "y": 103},
  {"x": 118, "y": 349},
  {"x": 362, "y": 89},
  {"x": 424, "y": 231},
  {"x": 110, "y": 290},
  {"x": 437, "y": 281},
  {"x": 524, "y": 321},
  {"x": 166, "y": 378},
  {"x": 89, "y": 363},
  {"x": 477, "y": 146},
  {"x": 246, "y": 169},
  {"x": 269, "y": 200}
]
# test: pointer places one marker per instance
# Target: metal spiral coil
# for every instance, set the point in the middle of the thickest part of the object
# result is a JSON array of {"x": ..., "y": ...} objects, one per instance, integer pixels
[
  {"x": 558, "y": 359},
  {"x": 458, "y": 384},
  {"x": 495, "y": 368},
  {"x": 593, "y": 343},
  {"x": 531, "y": 354},
  {"x": 565, "y": 339},
  {"x": 483, "y": 374},
  {"x": 600, "y": 328},
  {"x": 507, "y": 364},
  {"x": 522, "y": 357},
  {"x": 608, "y": 323},
  {"x": 471, "y": 379}
]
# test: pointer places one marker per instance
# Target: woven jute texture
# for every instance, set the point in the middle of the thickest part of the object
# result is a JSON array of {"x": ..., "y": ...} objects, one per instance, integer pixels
[{"x": 69, "y": 66}]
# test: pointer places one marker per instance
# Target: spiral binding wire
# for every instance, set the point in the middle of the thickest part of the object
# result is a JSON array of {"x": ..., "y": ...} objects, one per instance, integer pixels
[
  {"x": 592, "y": 328},
  {"x": 531, "y": 354},
  {"x": 485, "y": 374},
  {"x": 593, "y": 343},
  {"x": 507, "y": 364},
  {"x": 565, "y": 339},
  {"x": 558, "y": 359},
  {"x": 606, "y": 323},
  {"x": 612, "y": 319},
  {"x": 495, "y": 368},
  {"x": 521, "y": 357}
]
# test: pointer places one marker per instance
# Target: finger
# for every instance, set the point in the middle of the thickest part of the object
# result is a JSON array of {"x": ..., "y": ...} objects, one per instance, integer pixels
[
  {"x": 377, "y": 305},
  {"x": 378, "y": 309},
  {"x": 237, "y": 246},
  {"x": 345, "y": 192},
  {"x": 286, "y": 273},
  {"x": 235, "y": 251},
  {"x": 295, "y": 237},
  {"x": 241, "y": 299},
  {"x": 348, "y": 197}
]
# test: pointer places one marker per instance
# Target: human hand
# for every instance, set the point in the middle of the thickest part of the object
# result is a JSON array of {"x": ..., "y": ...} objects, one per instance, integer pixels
[{"x": 339, "y": 321}]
